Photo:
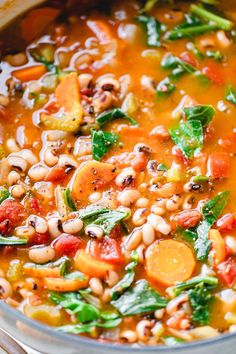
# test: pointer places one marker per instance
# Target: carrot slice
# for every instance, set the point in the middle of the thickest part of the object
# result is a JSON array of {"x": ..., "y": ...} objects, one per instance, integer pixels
[
  {"x": 169, "y": 261},
  {"x": 36, "y": 21},
  {"x": 64, "y": 285},
  {"x": 30, "y": 73},
  {"x": 101, "y": 30},
  {"x": 92, "y": 176},
  {"x": 91, "y": 266},
  {"x": 67, "y": 95},
  {"x": 67, "y": 92},
  {"x": 218, "y": 246},
  {"x": 42, "y": 272}
]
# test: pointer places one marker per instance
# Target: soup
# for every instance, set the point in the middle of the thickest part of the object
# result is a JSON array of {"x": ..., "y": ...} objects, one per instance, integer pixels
[{"x": 118, "y": 142}]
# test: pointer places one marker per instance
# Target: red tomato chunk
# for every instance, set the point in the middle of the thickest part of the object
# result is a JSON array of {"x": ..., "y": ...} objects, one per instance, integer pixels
[{"x": 227, "y": 271}]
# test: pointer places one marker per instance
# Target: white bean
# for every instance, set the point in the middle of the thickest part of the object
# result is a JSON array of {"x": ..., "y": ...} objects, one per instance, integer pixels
[
  {"x": 94, "y": 231},
  {"x": 17, "y": 162},
  {"x": 129, "y": 336},
  {"x": 28, "y": 156},
  {"x": 142, "y": 203},
  {"x": 143, "y": 330},
  {"x": 133, "y": 240},
  {"x": 126, "y": 177},
  {"x": 25, "y": 231},
  {"x": 49, "y": 158},
  {"x": 41, "y": 255},
  {"x": 96, "y": 286},
  {"x": 72, "y": 226},
  {"x": 112, "y": 278},
  {"x": 128, "y": 197},
  {"x": 18, "y": 191},
  {"x": 95, "y": 197},
  {"x": 148, "y": 234},
  {"x": 54, "y": 226},
  {"x": 5, "y": 289},
  {"x": 38, "y": 172},
  {"x": 139, "y": 217},
  {"x": 13, "y": 178},
  {"x": 159, "y": 224},
  {"x": 67, "y": 161}
]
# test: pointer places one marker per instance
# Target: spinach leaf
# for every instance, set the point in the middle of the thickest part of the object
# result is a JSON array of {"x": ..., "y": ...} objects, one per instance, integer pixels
[
  {"x": 211, "y": 212},
  {"x": 102, "y": 142},
  {"x": 191, "y": 31},
  {"x": 12, "y": 241},
  {"x": 200, "y": 299},
  {"x": 214, "y": 54},
  {"x": 63, "y": 264},
  {"x": 203, "y": 113},
  {"x": 103, "y": 217},
  {"x": 89, "y": 327},
  {"x": 230, "y": 94},
  {"x": 74, "y": 276},
  {"x": 152, "y": 28},
  {"x": 165, "y": 87},
  {"x": 210, "y": 282},
  {"x": 115, "y": 113},
  {"x": 149, "y": 5},
  {"x": 125, "y": 282},
  {"x": 68, "y": 199},
  {"x": 188, "y": 137},
  {"x": 170, "y": 61},
  {"x": 4, "y": 194},
  {"x": 139, "y": 299}
]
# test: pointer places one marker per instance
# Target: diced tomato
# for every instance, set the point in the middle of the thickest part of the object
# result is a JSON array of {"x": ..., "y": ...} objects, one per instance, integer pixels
[
  {"x": 187, "y": 218},
  {"x": 189, "y": 58},
  {"x": 209, "y": 133},
  {"x": 227, "y": 222},
  {"x": 67, "y": 245},
  {"x": 7, "y": 250},
  {"x": 218, "y": 165},
  {"x": 11, "y": 213},
  {"x": 55, "y": 174},
  {"x": 139, "y": 162},
  {"x": 214, "y": 73},
  {"x": 35, "y": 205},
  {"x": 39, "y": 239},
  {"x": 228, "y": 143},
  {"x": 227, "y": 271},
  {"x": 107, "y": 250}
]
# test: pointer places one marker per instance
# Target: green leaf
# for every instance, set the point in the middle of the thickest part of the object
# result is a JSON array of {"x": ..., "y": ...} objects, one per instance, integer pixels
[
  {"x": 200, "y": 299},
  {"x": 211, "y": 212},
  {"x": 12, "y": 241},
  {"x": 149, "y": 5},
  {"x": 68, "y": 199},
  {"x": 174, "y": 291},
  {"x": 4, "y": 194},
  {"x": 139, "y": 300},
  {"x": 203, "y": 113},
  {"x": 89, "y": 327},
  {"x": 165, "y": 87},
  {"x": 188, "y": 137},
  {"x": 125, "y": 282},
  {"x": 102, "y": 142},
  {"x": 115, "y": 113},
  {"x": 152, "y": 28},
  {"x": 63, "y": 264},
  {"x": 230, "y": 94},
  {"x": 192, "y": 31},
  {"x": 103, "y": 217}
]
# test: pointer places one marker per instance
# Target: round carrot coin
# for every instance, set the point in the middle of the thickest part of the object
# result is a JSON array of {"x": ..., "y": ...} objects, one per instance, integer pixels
[{"x": 169, "y": 261}]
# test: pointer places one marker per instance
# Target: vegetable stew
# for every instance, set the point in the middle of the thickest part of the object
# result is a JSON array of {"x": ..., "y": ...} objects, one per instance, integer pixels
[{"x": 117, "y": 167}]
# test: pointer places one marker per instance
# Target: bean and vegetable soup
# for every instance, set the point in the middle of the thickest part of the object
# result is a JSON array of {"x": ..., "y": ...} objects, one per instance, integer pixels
[{"x": 117, "y": 189}]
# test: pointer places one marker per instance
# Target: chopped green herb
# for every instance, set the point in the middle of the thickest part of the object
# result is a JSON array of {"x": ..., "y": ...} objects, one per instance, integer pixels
[
  {"x": 139, "y": 300},
  {"x": 115, "y": 113},
  {"x": 12, "y": 241},
  {"x": 203, "y": 113},
  {"x": 153, "y": 29},
  {"x": 172, "y": 341},
  {"x": 165, "y": 87},
  {"x": 102, "y": 142},
  {"x": 176, "y": 290},
  {"x": 74, "y": 276},
  {"x": 214, "y": 54},
  {"x": 68, "y": 199},
  {"x": 4, "y": 194},
  {"x": 190, "y": 31},
  {"x": 162, "y": 167},
  {"x": 206, "y": 15},
  {"x": 230, "y": 94},
  {"x": 200, "y": 179}
]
